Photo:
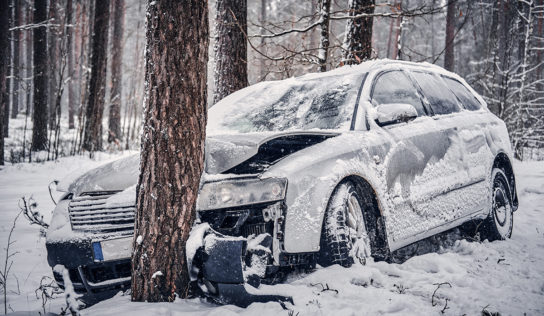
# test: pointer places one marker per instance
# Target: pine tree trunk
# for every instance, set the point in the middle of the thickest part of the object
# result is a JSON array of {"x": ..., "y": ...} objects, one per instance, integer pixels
[
  {"x": 450, "y": 35},
  {"x": 9, "y": 82},
  {"x": 262, "y": 60},
  {"x": 4, "y": 69},
  {"x": 29, "y": 51},
  {"x": 17, "y": 40},
  {"x": 71, "y": 67},
  {"x": 114, "y": 122},
  {"x": 323, "y": 51},
  {"x": 53, "y": 60},
  {"x": 39, "y": 117},
  {"x": 358, "y": 38},
  {"x": 172, "y": 153},
  {"x": 97, "y": 87},
  {"x": 230, "y": 47}
]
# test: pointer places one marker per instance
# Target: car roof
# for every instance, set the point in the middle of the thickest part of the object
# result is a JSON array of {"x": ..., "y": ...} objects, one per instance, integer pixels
[{"x": 375, "y": 64}]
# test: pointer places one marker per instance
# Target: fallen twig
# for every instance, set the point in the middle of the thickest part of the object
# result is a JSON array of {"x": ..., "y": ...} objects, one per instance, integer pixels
[{"x": 325, "y": 287}]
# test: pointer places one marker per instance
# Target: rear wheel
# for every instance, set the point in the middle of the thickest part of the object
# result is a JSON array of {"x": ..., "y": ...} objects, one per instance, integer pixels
[
  {"x": 344, "y": 236},
  {"x": 499, "y": 223}
]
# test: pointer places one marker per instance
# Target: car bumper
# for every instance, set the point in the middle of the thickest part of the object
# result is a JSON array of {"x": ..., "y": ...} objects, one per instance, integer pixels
[
  {"x": 220, "y": 270},
  {"x": 88, "y": 276}
]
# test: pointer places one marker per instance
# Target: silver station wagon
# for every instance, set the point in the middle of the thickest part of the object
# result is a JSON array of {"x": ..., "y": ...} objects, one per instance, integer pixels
[{"x": 328, "y": 168}]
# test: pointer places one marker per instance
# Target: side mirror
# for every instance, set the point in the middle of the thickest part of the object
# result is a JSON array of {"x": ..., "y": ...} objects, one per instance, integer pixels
[{"x": 392, "y": 113}]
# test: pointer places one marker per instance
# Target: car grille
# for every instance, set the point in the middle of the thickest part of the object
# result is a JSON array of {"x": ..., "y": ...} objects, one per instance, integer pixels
[{"x": 88, "y": 212}]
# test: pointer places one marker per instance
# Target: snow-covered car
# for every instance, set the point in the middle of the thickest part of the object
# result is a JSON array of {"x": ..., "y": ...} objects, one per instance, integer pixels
[{"x": 329, "y": 168}]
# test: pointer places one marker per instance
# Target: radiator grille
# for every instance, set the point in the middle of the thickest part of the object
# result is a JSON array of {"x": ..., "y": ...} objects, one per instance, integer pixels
[{"x": 88, "y": 212}]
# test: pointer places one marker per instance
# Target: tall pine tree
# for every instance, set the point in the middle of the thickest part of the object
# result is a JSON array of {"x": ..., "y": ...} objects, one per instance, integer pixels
[{"x": 172, "y": 153}]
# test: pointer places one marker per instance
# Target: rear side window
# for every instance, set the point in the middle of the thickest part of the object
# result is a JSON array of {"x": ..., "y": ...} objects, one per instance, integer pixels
[
  {"x": 441, "y": 99},
  {"x": 466, "y": 97},
  {"x": 396, "y": 87}
]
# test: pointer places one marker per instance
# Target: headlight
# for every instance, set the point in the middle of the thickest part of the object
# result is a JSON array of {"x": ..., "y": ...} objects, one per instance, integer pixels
[{"x": 223, "y": 194}]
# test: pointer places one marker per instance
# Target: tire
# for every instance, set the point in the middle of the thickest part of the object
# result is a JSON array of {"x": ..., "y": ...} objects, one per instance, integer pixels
[
  {"x": 500, "y": 222},
  {"x": 344, "y": 235}
]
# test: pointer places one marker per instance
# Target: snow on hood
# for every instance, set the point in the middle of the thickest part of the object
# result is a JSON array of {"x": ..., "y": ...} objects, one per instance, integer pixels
[
  {"x": 222, "y": 153},
  {"x": 114, "y": 176}
]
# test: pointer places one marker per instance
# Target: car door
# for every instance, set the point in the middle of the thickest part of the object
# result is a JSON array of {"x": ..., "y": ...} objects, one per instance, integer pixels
[
  {"x": 472, "y": 125},
  {"x": 413, "y": 146},
  {"x": 449, "y": 193}
]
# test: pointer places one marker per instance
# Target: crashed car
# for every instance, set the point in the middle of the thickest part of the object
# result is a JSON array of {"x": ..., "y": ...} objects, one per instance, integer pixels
[{"x": 329, "y": 168}]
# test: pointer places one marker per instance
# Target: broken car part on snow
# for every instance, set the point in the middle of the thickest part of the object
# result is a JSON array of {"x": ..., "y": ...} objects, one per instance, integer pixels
[{"x": 327, "y": 168}]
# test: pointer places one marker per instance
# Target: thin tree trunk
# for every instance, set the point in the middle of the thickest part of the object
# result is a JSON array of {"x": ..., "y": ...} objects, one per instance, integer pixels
[
  {"x": 358, "y": 39},
  {"x": 9, "y": 81},
  {"x": 29, "y": 69},
  {"x": 172, "y": 154},
  {"x": 449, "y": 61},
  {"x": 71, "y": 66},
  {"x": 262, "y": 18},
  {"x": 97, "y": 88},
  {"x": 17, "y": 53},
  {"x": 4, "y": 70},
  {"x": 230, "y": 47},
  {"x": 323, "y": 51},
  {"x": 39, "y": 117},
  {"x": 114, "y": 121},
  {"x": 53, "y": 59}
]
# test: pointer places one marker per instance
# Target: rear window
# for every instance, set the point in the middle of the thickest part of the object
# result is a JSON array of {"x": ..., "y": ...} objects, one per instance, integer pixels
[
  {"x": 396, "y": 87},
  {"x": 440, "y": 97},
  {"x": 466, "y": 97}
]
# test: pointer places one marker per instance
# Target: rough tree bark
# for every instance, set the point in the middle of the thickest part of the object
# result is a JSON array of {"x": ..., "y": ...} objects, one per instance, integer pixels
[
  {"x": 53, "y": 59},
  {"x": 449, "y": 60},
  {"x": 17, "y": 53},
  {"x": 39, "y": 117},
  {"x": 230, "y": 47},
  {"x": 323, "y": 51},
  {"x": 92, "y": 140},
  {"x": 4, "y": 69},
  {"x": 114, "y": 121},
  {"x": 172, "y": 153},
  {"x": 71, "y": 67},
  {"x": 358, "y": 39}
]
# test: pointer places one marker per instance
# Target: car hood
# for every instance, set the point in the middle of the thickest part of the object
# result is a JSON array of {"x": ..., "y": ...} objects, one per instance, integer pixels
[{"x": 223, "y": 152}]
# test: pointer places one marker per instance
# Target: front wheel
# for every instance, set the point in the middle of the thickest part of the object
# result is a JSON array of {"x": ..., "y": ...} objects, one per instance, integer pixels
[
  {"x": 344, "y": 235},
  {"x": 499, "y": 224}
]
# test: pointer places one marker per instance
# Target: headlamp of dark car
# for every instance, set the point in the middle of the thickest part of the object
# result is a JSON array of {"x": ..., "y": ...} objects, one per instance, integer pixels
[{"x": 239, "y": 192}]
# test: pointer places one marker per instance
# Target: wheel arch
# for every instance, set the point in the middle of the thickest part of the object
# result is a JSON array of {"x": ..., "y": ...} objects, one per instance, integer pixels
[
  {"x": 372, "y": 214},
  {"x": 503, "y": 162}
]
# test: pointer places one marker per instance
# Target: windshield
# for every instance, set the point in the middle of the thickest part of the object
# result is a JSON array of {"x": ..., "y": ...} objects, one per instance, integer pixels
[{"x": 292, "y": 104}]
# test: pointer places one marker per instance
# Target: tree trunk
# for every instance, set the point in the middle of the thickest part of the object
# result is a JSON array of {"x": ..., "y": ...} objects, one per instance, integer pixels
[
  {"x": 7, "y": 92},
  {"x": 262, "y": 65},
  {"x": 114, "y": 122},
  {"x": 230, "y": 47},
  {"x": 17, "y": 53},
  {"x": 450, "y": 35},
  {"x": 71, "y": 66},
  {"x": 29, "y": 82},
  {"x": 39, "y": 117},
  {"x": 172, "y": 153},
  {"x": 53, "y": 60},
  {"x": 358, "y": 38},
  {"x": 4, "y": 69},
  {"x": 323, "y": 52},
  {"x": 97, "y": 88}
]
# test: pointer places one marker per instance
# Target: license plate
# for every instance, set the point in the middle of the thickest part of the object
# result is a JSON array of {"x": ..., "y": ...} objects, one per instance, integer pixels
[{"x": 112, "y": 249}]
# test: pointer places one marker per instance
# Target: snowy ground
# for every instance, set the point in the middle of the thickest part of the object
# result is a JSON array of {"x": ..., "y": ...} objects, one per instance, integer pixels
[{"x": 505, "y": 277}]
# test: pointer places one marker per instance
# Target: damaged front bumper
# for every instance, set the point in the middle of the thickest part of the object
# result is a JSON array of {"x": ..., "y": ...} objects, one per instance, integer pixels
[{"x": 224, "y": 269}]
